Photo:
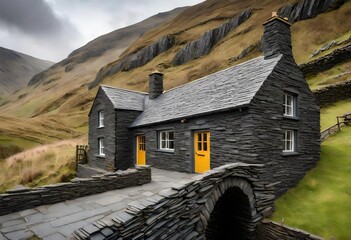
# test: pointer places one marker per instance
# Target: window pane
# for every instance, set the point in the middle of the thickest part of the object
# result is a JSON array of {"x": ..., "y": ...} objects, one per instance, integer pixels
[
  {"x": 170, "y": 135},
  {"x": 205, "y": 146},
  {"x": 205, "y": 136},
  {"x": 101, "y": 119},
  {"x": 199, "y": 135},
  {"x": 171, "y": 144},
  {"x": 163, "y": 144},
  {"x": 199, "y": 146},
  {"x": 289, "y": 105}
]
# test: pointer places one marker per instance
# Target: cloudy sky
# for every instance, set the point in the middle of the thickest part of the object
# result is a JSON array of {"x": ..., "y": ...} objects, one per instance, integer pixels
[{"x": 51, "y": 29}]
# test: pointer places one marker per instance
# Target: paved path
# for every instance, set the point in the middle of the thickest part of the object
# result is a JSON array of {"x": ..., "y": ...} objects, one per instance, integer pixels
[{"x": 58, "y": 221}]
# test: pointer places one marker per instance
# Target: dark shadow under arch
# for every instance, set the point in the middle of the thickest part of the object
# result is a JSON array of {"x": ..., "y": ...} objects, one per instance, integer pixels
[{"x": 231, "y": 217}]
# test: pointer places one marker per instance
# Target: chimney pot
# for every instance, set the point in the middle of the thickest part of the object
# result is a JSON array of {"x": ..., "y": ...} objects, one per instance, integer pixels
[{"x": 155, "y": 84}]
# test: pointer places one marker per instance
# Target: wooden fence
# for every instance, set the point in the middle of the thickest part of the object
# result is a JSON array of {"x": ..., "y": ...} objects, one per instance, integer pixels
[
  {"x": 341, "y": 121},
  {"x": 82, "y": 154}
]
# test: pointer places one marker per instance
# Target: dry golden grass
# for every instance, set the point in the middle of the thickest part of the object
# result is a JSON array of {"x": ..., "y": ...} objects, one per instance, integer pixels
[{"x": 41, "y": 165}]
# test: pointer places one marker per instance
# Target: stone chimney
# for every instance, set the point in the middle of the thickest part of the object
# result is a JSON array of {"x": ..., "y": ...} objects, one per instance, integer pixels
[
  {"x": 155, "y": 84},
  {"x": 276, "y": 37}
]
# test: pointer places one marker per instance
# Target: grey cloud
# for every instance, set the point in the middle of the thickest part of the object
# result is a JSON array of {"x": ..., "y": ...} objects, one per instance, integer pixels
[{"x": 32, "y": 17}]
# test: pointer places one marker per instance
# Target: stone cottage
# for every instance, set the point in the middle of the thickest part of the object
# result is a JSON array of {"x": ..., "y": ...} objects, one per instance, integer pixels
[{"x": 260, "y": 111}]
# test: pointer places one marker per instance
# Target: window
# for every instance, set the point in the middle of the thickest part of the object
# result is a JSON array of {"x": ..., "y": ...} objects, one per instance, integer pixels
[
  {"x": 101, "y": 118},
  {"x": 166, "y": 140},
  {"x": 289, "y": 141},
  {"x": 289, "y": 105},
  {"x": 101, "y": 147}
]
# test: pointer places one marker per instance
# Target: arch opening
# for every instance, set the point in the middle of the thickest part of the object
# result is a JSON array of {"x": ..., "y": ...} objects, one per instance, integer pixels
[{"x": 231, "y": 217}]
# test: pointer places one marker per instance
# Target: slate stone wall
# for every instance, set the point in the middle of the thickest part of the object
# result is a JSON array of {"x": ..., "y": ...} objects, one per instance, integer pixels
[
  {"x": 269, "y": 230},
  {"x": 268, "y": 125},
  {"x": 17, "y": 200},
  {"x": 185, "y": 211},
  {"x": 230, "y": 141},
  {"x": 326, "y": 62},
  {"x": 124, "y": 139},
  {"x": 107, "y": 132},
  {"x": 333, "y": 93}
]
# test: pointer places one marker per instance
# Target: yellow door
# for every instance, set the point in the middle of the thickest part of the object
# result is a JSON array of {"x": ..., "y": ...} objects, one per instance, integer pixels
[
  {"x": 141, "y": 159},
  {"x": 202, "y": 151}
]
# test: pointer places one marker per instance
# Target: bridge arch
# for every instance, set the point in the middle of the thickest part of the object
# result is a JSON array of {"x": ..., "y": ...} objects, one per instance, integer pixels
[{"x": 230, "y": 211}]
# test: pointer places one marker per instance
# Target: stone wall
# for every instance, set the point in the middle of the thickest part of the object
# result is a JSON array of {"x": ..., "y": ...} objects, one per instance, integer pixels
[
  {"x": 268, "y": 123},
  {"x": 125, "y": 144},
  {"x": 17, "y": 200},
  {"x": 326, "y": 62},
  {"x": 108, "y": 133},
  {"x": 333, "y": 93},
  {"x": 186, "y": 210},
  {"x": 269, "y": 230}
]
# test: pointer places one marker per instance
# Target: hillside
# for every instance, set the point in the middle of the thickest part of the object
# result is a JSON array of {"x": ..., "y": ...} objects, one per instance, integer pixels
[
  {"x": 57, "y": 101},
  {"x": 16, "y": 69}
]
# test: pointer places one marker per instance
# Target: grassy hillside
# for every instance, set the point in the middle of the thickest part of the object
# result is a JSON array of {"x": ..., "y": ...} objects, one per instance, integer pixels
[{"x": 321, "y": 202}]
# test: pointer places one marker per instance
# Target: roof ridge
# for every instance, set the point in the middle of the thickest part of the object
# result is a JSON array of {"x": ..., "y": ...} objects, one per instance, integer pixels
[
  {"x": 126, "y": 90},
  {"x": 196, "y": 80}
]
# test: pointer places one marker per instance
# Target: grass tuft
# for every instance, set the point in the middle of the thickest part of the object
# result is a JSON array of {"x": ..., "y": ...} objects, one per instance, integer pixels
[{"x": 47, "y": 164}]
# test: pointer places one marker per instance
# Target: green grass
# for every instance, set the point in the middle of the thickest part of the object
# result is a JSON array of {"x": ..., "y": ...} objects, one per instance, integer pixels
[
  {"x": 337, "y": 74},
  {"x": 321, "y": 203},
  {"x": 328, "y": 114}
]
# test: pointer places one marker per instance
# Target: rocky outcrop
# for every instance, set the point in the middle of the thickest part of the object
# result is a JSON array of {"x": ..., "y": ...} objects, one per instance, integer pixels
[
  {"x": 246, "y": 52},
  {"x": 203, "y": 45},
  {"x": 333, "y": 93},
  {"x": 137, "y": 59},
  {"x": 308, "y": 9},
  {"x": 269, "y": 230},
  {"x": 326, "y": 62}
]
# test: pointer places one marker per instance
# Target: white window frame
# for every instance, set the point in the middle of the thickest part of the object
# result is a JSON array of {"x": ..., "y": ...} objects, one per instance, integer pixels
[
  {"x": 164, "y": 137},
  {"x": 101, "y": 118},
  {"x": 289, "y": 105},
  {"x": 101, "y": 146},
  {"x": 289, "y": 141}
]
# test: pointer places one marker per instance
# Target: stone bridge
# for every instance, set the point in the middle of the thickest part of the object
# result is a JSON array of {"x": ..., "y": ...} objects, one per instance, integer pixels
[{"x": 225, "y": 203}]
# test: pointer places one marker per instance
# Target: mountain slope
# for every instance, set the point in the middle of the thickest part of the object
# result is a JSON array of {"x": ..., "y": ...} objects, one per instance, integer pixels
[{"x": 16, "y": 69}]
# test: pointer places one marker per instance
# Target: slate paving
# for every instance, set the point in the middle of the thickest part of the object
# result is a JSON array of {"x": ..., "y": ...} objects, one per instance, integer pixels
[{"x": 58, "y": 221}]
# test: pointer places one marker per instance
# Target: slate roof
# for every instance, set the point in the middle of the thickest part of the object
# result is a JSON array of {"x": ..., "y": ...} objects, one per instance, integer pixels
[
  {"x": 230, "y": 88},
  {"x": 125, "y": 99}
]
